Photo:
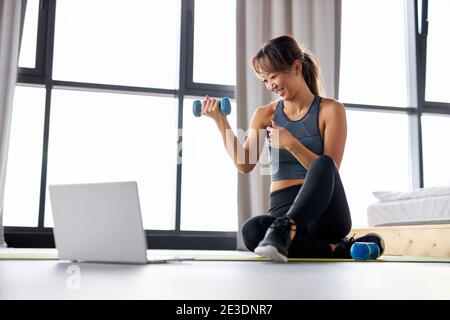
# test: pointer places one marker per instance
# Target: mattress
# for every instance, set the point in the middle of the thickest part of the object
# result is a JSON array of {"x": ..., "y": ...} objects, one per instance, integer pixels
[{"x": 410, "y": 211}]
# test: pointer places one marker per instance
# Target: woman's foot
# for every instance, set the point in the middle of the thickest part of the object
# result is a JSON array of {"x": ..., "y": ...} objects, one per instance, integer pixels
[{"x": 277, "y": 240}]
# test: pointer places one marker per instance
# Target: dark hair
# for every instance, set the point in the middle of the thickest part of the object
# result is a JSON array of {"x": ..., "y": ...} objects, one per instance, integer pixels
[{"x": 281, "y": 53}]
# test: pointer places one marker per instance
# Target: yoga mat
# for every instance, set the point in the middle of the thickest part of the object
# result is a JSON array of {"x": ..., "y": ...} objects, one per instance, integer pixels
[
  {"x": 24, "y": 255},
  {"x": 28, "y": 256},
  {"x": 381, "y": 259}
]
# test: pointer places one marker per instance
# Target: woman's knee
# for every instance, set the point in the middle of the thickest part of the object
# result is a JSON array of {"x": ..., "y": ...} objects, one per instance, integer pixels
[
  {"x": 324, "y": 160},
  {"x": 254, "y": 230},
  {"x": 324, "y": 164}
]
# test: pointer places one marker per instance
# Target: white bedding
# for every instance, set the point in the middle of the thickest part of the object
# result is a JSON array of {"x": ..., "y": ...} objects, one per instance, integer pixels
[
  {"x": 424, "y": 210},
  {"x": 413, "y": 194}
]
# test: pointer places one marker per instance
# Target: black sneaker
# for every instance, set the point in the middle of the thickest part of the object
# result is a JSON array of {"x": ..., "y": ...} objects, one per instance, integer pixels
[
  {"x": 277, "y": 240},
  {"x": 343, "y": 248}
]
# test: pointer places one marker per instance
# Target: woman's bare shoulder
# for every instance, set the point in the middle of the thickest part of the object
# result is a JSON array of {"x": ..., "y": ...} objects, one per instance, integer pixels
[
  {"x": 265, "y": 113},
  {"x": 331, "y": 108},
  {"x": 331, "y": 105}
]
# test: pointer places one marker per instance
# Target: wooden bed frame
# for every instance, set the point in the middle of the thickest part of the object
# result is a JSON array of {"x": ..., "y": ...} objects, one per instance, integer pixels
[{"x": 417, "y": 240}]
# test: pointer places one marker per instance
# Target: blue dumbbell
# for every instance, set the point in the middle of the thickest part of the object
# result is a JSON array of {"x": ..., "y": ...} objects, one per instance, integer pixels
[
  {"x": 224, "y": 105},
  {"x": 365, "y": 251}
]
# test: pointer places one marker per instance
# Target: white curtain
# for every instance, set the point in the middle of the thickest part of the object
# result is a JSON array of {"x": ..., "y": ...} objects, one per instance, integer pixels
[
  {"x": 316, "y": 25},
  {"x": 11, "y": 20}
]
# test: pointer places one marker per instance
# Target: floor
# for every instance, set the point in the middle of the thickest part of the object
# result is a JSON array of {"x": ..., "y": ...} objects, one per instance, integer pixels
[{"x": 194, "y": 280}]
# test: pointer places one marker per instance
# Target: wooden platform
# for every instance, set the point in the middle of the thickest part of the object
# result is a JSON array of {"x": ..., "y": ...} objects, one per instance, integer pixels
[{"x": 424, "y": 240}]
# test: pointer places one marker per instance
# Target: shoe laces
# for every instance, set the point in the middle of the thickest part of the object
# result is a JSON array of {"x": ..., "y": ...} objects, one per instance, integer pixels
[
  {"x": 284, "y": 224},
  {"x": 343, "y": 248},
  {"x": 352, "y": 239},
  {"x": 348, "y": 242}
]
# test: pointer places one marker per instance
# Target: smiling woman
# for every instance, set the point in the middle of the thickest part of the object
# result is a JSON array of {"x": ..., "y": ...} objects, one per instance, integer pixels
[{"x": 309, "y": 214}]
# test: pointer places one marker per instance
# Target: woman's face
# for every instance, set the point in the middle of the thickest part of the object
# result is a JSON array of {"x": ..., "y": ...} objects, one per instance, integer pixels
[{"x": 283, "y": 83}]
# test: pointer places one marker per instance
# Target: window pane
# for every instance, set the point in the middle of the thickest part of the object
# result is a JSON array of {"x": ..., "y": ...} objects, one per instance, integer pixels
[
  {"x": 23, "y": 178},
  {"x": 103, "y": 137},
  {"x": 373, "y": 63},
  {"x": 209, "y": 181},
  {"x": 438, "y": 51},
  {"x": 376, "y": 158},
  {"x": 107, "y": 41},
  {"x": 436, "y": 154},
  {"x": 27, "y": 57},
  {"x": 215, "y": 41}
]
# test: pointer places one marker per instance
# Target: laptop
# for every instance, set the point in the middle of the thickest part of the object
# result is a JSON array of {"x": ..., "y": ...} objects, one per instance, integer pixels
[{"x": 100, "y": 222}]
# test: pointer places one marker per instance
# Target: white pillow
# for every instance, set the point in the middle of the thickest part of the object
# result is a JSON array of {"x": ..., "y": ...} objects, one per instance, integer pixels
[{"x": 414, "y": 194}]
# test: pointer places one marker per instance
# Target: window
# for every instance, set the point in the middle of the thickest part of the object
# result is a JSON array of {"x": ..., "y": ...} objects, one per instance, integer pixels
[
  {"x": 438, "y": 51},
  {"x": 215, "y": 40},
  {"x": 110, "y": 108},
  {"x": 105, "y": 137},
  {"x": 376, "y": 158},
  {"x": 23, "y": 179},
  {"x": 105, "y": 41},
  {"x": 373, "y": 63},
  {"x": 373, "y": 78},
  {"x": 27, "y": 57},
  {"x": 207, "y": 204},
  {"x": 436, "y": 130}
]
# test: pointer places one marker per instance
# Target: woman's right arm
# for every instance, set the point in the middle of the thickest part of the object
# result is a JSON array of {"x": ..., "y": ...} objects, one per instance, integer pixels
[{"x": 247, "y": 156}]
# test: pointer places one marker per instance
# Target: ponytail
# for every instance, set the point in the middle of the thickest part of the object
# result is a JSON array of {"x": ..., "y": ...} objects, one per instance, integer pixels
[{"x": 311, "y": 73}]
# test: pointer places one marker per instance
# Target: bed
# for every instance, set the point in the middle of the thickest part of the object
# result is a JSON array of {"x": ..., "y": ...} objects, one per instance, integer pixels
[{"x": 417, "y": 207}]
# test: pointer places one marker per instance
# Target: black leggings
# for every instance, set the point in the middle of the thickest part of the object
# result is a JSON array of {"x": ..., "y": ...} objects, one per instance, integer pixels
[{"x": 318, "y": 207}]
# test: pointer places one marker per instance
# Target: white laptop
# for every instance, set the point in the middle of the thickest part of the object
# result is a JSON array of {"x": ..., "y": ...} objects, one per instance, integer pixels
[{"x": 100, "y": 222}]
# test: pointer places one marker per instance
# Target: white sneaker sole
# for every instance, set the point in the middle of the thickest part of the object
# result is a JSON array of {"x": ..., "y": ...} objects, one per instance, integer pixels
[{"x": 270, "y": 252}]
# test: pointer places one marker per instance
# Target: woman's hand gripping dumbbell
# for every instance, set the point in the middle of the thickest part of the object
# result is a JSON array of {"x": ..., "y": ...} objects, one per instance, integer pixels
[{"x": 212, "y": 108}]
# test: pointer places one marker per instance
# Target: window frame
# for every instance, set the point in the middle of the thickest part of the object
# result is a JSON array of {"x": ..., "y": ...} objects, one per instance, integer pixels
[{"x": 41, "y": 75}]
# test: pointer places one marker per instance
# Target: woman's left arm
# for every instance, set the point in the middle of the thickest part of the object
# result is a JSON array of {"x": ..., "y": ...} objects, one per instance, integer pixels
[{"x": 335, "y": 133}]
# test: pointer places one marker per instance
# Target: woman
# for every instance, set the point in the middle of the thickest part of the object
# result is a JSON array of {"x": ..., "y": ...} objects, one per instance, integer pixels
[{"x": 309, "y": 214}]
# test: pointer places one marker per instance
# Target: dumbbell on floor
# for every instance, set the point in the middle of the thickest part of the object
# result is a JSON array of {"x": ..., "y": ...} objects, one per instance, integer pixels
[
  {"x": 224, "y": 105},
  {"x": 365, "y": 251}
]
